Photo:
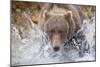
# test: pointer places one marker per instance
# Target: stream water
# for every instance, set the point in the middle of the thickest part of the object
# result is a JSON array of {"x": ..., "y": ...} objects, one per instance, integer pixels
[{"x": 34, "y": 48}]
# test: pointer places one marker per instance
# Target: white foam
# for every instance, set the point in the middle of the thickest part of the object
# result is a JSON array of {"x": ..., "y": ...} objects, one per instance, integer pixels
[{"x": 37, "y": 49}]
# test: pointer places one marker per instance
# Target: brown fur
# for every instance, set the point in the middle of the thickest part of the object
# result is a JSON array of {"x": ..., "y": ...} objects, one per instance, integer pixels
[{"x": 60, "y": 22}]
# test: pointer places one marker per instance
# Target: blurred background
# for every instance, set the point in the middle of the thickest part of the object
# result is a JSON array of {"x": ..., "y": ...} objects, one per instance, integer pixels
[{"x": 33, "y": 9}]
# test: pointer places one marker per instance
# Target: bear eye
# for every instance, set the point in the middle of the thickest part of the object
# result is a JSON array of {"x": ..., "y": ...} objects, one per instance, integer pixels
[
  {"x": 52, "y": 31},
  {"x": 60, "y": 31}
]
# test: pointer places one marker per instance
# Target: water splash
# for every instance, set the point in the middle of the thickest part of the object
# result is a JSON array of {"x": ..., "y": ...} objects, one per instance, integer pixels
[{"x": 36, "y": 48}]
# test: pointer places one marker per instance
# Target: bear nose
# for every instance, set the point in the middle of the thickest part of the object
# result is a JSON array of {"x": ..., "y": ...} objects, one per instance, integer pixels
[{"x": 56, "y": 48}]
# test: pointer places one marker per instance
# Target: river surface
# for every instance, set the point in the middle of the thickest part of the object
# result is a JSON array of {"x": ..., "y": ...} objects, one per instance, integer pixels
[{"x": 34, "y": 48}]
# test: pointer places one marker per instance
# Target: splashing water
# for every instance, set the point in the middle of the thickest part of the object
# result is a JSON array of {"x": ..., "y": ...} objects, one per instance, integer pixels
[{"x": 36, "y": 48}]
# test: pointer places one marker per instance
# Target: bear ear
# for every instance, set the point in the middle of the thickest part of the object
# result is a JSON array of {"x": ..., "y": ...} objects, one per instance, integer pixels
[
  {"x": 44, "y": 12},
  {"x": 68, "y": 15},
  {"x": 46, "y": 15}
]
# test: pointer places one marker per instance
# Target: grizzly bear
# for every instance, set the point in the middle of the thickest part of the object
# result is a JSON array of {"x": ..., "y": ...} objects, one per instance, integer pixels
[{"x": 60, "y": 22}]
